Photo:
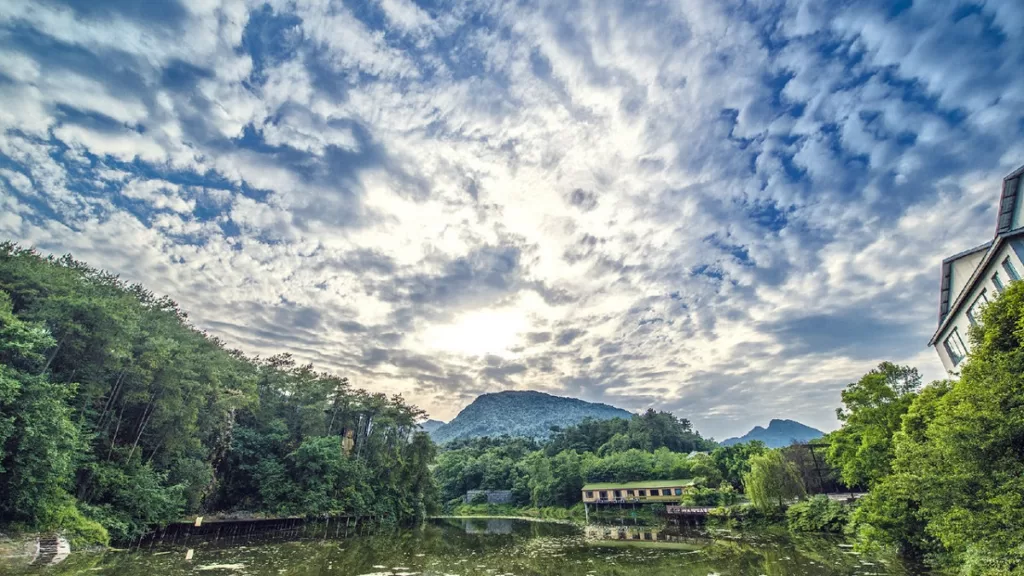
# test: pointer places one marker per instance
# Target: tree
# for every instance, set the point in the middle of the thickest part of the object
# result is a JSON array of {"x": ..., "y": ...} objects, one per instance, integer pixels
[
  {"x": 39, "y": 443},
  {"x": 957, "y": 482},
  {"x": 114, "y": 408},
  {"x": 772, "y": 481},
  {"x": 862, "y": 449},
  {"x": 734, "y": 461}
]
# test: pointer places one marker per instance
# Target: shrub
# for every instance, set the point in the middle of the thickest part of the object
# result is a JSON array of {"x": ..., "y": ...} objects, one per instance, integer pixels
[
  {"x": 818, "y": 514},
  {"x": 80, "y": 531}
]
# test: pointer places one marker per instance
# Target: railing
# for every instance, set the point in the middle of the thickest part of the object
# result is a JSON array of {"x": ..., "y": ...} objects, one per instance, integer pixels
[{"x": 688, "y": 510}]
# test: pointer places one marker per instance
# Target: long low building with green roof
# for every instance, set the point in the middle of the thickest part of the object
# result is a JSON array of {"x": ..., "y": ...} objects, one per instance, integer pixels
[{"x": 635, "y": 492}]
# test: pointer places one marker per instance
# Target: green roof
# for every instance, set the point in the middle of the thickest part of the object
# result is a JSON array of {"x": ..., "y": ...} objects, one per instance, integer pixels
[{"x": 629, "y": 485}]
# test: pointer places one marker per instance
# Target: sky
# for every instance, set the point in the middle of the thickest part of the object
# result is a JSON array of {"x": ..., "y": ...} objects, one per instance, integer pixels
[{"x": 729, "y": 210}]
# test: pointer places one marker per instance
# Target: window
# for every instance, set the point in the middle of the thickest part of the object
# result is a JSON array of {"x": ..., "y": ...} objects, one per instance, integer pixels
[
  {"x": 603, "y": 495},
  {"x": 590, "y": 494},
  {"x": 955, "y": 347},
  {"x": 1010, "y": 270},
  {"x": 974, "y": 312},
  {"x": 997, "y": 282},
  {"x": 622, "y": 493},
  {"x": 679, "y": 491}
]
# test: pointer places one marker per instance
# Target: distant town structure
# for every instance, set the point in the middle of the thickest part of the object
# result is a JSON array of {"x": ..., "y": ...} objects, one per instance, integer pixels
[
  {"x": 635, "y": 492},
  {"x": 491, "y": 496},
  {"x": 973, "y": 277}
]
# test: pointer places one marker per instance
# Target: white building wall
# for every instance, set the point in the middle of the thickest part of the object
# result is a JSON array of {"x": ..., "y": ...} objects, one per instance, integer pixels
[
  {"x": 962, "y": 270},
  {"x": 960, "y": 321}
]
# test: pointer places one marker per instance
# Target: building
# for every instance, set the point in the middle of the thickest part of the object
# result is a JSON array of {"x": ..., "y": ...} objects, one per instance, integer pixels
[
  {"x": 635, "y": 492},
  {"x": 973, "y": 277},
  {"x": 488, "y": 496}
]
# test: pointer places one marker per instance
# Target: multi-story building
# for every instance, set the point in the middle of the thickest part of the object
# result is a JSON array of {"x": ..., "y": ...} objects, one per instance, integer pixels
[{"x": 973, "y": 277}]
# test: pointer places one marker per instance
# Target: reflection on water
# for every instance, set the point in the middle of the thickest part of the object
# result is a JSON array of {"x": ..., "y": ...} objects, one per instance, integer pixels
[
  {"x": 481, "y": 547},
  {"x": 646, "y": 537},
  {"x": 488, "y": 525}
]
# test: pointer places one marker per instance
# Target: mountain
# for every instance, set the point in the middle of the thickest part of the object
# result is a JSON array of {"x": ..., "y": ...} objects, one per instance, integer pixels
[
  {"x": 778, "y": 434},
  {"x": 429, "y": 426},
  {"x": 521, "y": 413}
]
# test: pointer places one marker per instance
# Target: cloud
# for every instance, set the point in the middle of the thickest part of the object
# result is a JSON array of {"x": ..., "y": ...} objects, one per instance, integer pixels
[{"x": 729, "y": 210}]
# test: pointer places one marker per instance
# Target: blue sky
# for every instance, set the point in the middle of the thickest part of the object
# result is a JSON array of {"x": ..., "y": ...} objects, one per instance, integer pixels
[{"x": 724, "y": 209}]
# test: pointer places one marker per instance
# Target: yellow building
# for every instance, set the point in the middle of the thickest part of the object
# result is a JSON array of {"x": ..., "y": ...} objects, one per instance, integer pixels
[{"x": 635, "y": 492}]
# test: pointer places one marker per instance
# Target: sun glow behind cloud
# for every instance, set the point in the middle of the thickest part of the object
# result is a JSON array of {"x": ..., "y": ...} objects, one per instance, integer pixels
[
  {"x": 479, "y": 333},
  {"x": 726, "y": 209}
]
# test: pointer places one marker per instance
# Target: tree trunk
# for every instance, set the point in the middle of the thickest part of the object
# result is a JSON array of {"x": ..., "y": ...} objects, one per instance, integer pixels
[
  {"x": 53, "y": 354},
  {"x": 116, "y": 430},
  {"x": 146, "y": 417}
]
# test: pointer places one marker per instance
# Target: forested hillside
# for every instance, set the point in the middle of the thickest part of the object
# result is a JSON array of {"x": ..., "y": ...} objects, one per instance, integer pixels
[
  {"x": 116, "y": 414},
  {"x": 655, "y": 445},
  {"x": 778, "y": 434},
  {"x": 524, "y": 413}
]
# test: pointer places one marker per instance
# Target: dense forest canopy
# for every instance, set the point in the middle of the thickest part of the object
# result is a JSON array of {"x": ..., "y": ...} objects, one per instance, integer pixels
[
  {"x": 655, "y": 445},
  {"x": 116, "y": 414}
]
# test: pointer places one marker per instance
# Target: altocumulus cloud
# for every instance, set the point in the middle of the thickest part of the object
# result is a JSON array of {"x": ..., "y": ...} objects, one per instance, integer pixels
[{"x": 727, "y": 209}]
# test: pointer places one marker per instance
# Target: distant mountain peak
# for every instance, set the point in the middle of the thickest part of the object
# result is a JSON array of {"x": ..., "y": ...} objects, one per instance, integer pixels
[
  {"x": 429, "y": 425},
  {"x": 526, "y": 413},
  {"x": 778, "y": 434}
]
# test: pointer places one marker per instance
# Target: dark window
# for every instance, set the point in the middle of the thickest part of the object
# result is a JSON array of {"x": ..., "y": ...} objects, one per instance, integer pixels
[
  {"x": 603, "y": 494},
  {"x": 955, "y": 347},
  {"x": 974, "y": 312},
  {"x": 997, "y": 282},
  {"x": 1010, "y": 270},
  {"x": 590, "y": 494},
  {"x": 679, "y": 491}
]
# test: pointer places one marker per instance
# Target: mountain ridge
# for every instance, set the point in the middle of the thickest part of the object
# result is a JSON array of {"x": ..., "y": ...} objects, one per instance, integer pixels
[
  {"x": 525, "y": 413},
  {"x": 779, "y": 433}
]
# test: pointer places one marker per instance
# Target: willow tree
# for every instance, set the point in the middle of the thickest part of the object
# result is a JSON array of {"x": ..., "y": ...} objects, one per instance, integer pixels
[{"x": 772, "y": 481}]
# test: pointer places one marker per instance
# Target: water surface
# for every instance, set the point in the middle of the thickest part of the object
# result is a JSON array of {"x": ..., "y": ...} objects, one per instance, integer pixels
[{"x": 479, "y": 547}]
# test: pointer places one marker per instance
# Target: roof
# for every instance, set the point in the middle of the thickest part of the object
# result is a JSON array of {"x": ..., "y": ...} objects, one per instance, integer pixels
[
  {"x": 975, "y": 276},
  {"x": 646, "y": 484},
  {"x": 1007, "y": 202}
]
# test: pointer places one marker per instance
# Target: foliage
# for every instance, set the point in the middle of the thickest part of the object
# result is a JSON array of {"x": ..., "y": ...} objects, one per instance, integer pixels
[
  {"x": 114, "y": 409},
  {"x": 39, "y": 443},
  {"x": 772, "y": 481},
  {"x": 734, "y": 460},
  {"x": 701, "y": 495},
  {"x": 957, "y": 485},
  {"x": 539, "y": 477},
  {"x": 862, "y": 450},
  {"x": 647, "y": 432},
  {"x": 817, "y": 514},
  {"x": 523, "y": 413}
]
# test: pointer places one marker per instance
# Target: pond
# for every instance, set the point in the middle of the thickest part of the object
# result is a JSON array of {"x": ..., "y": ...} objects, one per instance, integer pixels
[{"x": 478, "y": 547}]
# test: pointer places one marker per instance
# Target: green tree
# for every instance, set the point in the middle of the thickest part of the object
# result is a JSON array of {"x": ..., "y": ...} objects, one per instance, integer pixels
[
  {"x": 862, "y": 449},
  {"x": 39, "y": 443},
  {"x": 957, "y": 486},
  {"x": 772, "y": 481},
  {"x": 734, "y": 461}
]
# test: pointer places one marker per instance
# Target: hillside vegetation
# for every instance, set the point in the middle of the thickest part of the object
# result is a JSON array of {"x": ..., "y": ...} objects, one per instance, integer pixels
[
  {"x": 526, "y": 414},
  {"x": 778, "y": 434},
  {"x": 117, "y": 415}
]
